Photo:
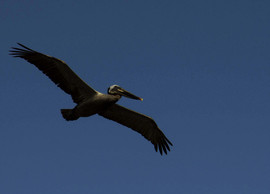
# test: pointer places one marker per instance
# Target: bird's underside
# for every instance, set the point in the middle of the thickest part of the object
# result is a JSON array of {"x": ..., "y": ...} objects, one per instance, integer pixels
[{"x": 90, "y": 101}]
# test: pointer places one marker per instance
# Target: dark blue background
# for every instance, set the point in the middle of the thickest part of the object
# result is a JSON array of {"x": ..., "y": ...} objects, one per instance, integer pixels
[{"x": 202, "y": 68}]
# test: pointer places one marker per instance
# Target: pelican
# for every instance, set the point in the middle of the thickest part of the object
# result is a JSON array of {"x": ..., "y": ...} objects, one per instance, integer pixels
[{"x": 90, "y": 101}]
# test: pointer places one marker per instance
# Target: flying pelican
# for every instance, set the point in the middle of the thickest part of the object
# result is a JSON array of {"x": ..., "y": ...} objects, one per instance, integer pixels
[{"x": 90, "y": 101}]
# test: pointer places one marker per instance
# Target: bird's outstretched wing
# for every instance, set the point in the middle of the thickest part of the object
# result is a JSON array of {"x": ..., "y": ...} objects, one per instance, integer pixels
[
  {"x": 143, "y": 124},
  {"x": 58, "y": 71}
]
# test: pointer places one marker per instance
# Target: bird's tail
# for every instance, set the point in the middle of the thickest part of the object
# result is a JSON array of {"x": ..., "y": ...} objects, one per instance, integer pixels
[{"x": 68, "y": 114}]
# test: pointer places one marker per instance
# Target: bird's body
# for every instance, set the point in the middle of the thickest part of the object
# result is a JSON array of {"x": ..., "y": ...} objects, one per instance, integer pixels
[
  {"x": 98, "y": 103},
  {"x": 94, "y": 105},
  {"x": 90, "y": 101}
]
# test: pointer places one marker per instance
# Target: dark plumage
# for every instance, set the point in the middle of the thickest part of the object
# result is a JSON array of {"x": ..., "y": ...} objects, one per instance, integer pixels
[{"x": 90, "y": 101}]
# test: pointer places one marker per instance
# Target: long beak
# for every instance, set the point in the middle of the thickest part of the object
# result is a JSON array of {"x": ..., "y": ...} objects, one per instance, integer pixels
[{"x": 128, "y": 94}]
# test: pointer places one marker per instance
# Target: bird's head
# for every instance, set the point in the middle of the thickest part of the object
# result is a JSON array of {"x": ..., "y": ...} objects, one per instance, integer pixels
[{"x": 117, "y": 90}]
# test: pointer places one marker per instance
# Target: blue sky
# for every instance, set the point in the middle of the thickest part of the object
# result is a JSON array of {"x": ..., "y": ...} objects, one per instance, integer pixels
[{"x": 202, "y": 67}]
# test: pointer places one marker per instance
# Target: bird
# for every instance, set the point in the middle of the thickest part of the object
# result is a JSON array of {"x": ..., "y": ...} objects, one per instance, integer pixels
[{"x": 90, "y": 102}]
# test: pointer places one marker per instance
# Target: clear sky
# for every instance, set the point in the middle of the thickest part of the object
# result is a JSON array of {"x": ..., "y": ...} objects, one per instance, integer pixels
[{"x": 202, "y": 67}]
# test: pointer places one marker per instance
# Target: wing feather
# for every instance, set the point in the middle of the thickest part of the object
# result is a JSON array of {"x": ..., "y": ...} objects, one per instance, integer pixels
[
  {"x": 143, "y": 124},
  {"x": 58, "y": 71}
]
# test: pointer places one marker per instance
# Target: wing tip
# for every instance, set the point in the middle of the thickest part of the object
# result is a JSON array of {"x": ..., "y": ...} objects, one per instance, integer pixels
[
  {"x": 20, "y": 52},
  {"x": 163, "y": 147}
]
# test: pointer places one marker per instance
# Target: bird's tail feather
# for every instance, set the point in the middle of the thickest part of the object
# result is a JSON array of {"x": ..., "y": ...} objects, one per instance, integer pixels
[{"x": 68, "y": 114}]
